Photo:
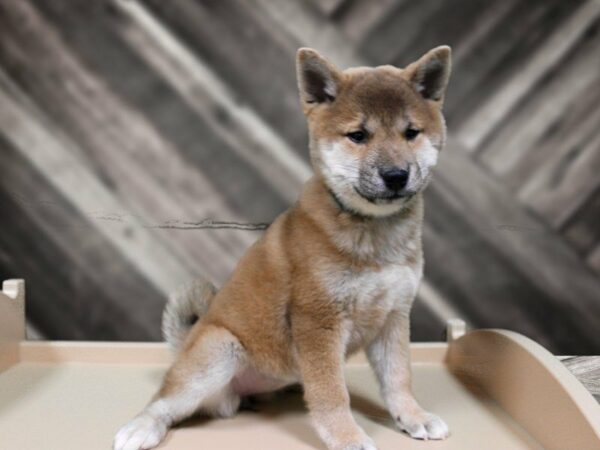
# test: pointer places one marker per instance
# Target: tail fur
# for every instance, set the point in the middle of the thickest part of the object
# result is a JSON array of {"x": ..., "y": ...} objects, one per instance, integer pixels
[{"x": 184, "y": 307}]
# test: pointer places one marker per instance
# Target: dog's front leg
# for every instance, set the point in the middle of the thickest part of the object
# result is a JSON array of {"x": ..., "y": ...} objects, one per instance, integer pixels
[
  {"x": 389, "y": 355},
  {"x": 320, "y": 356}
]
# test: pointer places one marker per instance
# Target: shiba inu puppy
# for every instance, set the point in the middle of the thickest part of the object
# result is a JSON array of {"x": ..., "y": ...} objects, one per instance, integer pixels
[{"x": 335, "y": 273}]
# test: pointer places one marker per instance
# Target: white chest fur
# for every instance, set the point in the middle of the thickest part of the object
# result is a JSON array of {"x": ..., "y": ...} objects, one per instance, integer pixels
[
  {"x": 387, "y": 288},
  {"x": 367, "y": 296}
]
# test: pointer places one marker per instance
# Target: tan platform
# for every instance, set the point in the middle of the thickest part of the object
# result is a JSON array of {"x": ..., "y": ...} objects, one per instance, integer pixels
[{"x": 496, "y": 389}]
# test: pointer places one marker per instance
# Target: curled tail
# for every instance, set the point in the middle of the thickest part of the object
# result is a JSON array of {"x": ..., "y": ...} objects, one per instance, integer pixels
[{"x": 184, "y": 307}]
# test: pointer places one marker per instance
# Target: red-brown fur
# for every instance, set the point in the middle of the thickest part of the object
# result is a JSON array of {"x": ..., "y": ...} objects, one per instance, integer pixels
[{"x": 324, "y": 280}]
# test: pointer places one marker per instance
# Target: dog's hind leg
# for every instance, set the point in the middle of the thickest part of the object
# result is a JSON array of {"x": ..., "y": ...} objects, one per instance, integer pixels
[{"x": 199, "y": 379}]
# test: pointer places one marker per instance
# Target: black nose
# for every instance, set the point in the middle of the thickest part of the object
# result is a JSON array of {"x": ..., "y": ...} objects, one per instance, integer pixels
[{"x": 395, "y": 178}]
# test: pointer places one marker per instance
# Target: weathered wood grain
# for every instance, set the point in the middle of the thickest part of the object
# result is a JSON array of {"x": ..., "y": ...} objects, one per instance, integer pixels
[
  {"x": 256, "y": 70},
  {"x": 358, "y": 17},
  {"x": 527, "y": 243},
  {"x": 566, "y": 184},
  {"x": 542, "y": 110},
  {"x": 508, "y": 90},
  {"x": 45, "y": 152},
  {"x": 493, "y": 292},
  {"x": 594, "y": 257},
  {"x": 400, "y": 27},
  {"x": 571, "y": 120},
  {"x": 587, "y": 371},
  {"x": 137, "y": 171},
  {"x": 51, "y": 237},
  {"x": 140, "y": 116},
  {"x": 328, "y": 7},
  {"x": 251, "y": 138},
  {"x": 507, "y": 232},
  {"x": 128, "y": 26},
  {"x": 582, "y": 229}
]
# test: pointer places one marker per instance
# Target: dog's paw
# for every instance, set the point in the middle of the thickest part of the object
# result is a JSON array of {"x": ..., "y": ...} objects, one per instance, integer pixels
[
  {"x": 142, "y": 433},
  {"x": 365, "y": 445},
  {"x": 423, "y": 426}
]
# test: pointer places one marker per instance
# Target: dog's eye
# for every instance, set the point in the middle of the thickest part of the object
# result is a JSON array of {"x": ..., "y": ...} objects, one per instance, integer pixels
[
  {"x": 411, "y": 133},
  {"x": 357, "y": 136}
]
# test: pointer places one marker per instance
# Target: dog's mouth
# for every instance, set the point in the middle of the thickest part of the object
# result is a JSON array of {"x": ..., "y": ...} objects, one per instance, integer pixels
[{"x": 386, "y": 197}]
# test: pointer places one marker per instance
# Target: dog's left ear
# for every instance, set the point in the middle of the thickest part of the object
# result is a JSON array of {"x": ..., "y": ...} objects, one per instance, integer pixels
[
  {"x": 318, "y": 79},
  {"x": 429, "y": 74}
]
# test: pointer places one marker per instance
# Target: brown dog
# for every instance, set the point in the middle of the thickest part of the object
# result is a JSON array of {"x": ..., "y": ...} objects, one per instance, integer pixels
[{"x": 335, "y": 273}]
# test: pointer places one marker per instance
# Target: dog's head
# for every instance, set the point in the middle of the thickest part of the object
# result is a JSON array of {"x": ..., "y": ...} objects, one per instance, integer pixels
[{"x": 375, "y": 133}]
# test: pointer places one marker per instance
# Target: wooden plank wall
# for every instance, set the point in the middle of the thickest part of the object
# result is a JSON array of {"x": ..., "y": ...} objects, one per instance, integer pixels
[{"x": 125, "y": 123}]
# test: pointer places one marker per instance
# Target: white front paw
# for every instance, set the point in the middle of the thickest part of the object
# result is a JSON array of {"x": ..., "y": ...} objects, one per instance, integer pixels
[
  {"x": 365, "y": 445},
  {"x": 142, "y": 433},
  {"x": 423, "y": 426}
]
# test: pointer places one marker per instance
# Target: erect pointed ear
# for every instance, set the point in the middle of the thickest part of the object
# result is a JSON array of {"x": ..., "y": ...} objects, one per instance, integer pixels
[
  {"x": 429, "y": 74},
  {"x": 318, "y": 79}
]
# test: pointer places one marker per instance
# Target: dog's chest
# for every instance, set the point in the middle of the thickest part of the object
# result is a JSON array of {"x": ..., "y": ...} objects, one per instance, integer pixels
[
  {"x": 362, "y": 290},
  {"x": 367, "y": 296}
]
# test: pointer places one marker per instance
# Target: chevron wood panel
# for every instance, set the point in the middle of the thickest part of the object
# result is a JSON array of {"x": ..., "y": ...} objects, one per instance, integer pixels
[{"x": 125, "y": 123}]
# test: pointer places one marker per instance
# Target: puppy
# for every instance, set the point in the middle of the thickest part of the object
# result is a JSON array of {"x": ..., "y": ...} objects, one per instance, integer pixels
[{"x": 335, "y": 273}]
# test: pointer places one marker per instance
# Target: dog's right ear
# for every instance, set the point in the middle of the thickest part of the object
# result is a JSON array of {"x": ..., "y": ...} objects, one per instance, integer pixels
[{"x": 318, "y": 79}]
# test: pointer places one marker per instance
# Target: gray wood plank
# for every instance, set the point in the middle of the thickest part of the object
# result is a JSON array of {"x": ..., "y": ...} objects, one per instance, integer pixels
[
  {"x": 559, "y": 108},
  {"x": 261, "y": 71},
  {"x": 328, "y": 7},
  {"x": 522, "y": 239},
  {"x": 138, "y": 171},
  {"x": 358, "y": 17},
  {"x": 96, "y": 40},
  {"x": 425, "y": 326},
  {"x": 151, "y": 103},
  {"x": 566, "y": 183},
  {"x": 79, "y": 285},
  {"x": 583, "y": 230},
  {"x": 388, "y": 41},
  {"x": 545, "y": 127},
  {"x": 593, "y": 258},
  {"x": 507, "y": 231},
  {"x": 253, "y": 140},
  {"x": 486, "y": 288},
  {"x": 558, "y": 27},
  {"x": 587, "y": 371}
]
